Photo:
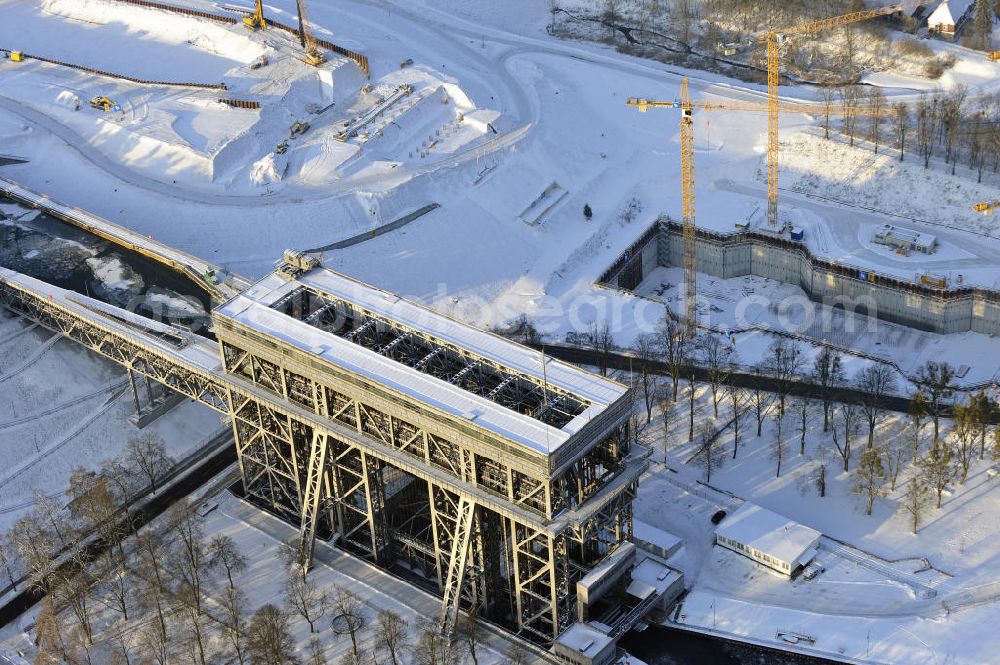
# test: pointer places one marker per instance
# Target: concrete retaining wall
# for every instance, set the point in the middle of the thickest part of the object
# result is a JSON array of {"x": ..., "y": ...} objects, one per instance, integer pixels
[{"x": 947, "y": 310}]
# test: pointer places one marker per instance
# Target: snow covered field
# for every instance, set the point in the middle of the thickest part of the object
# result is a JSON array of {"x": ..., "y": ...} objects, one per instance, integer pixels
[
  {"x": 49, "y": 427},
  {"x": 886, "y": 587}
]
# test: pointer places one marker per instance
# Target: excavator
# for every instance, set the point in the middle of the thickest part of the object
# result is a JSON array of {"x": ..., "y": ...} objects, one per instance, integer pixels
[
  {"x": 105, "y": 104},
  {"x": 256, "y": 20},
  {"x": 986, "y": 208}
]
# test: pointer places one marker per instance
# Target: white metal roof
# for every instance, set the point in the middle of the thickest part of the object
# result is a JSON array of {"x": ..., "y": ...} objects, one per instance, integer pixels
[
  {"x": 906, "y": 235},
  {"x": 941, "y": 16},
  {"x": 585, "y": 639},
  {"x": 768, "y": 532},
  {"x": 253, "y": 308}
]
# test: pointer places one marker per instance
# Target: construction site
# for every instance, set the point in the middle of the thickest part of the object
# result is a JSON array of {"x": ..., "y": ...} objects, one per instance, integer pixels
[{"x": 390, "y": 284}]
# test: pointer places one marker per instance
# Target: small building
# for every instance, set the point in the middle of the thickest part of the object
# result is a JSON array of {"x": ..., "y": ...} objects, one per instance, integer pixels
[
  {"x": 768, "y": 538},
  {"x": 584, "y": 644},
  {"x": 941, "y": 22},
  {"x": 905, "y": 239},
  {"x": 655, "y": 540}
]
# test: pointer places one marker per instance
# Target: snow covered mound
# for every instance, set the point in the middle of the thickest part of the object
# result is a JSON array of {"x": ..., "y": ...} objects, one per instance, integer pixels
[{"x": 858, "y": 176}]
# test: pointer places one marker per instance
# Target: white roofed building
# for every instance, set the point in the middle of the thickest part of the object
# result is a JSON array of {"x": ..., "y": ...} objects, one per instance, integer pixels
[
  {"x": 941, "y": 21},
  {"x": 768, "y": 538}
]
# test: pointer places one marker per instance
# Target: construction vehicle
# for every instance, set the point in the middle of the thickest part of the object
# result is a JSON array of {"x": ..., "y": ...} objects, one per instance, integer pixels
[
  {"x": 256, "y": 20},
  {"x": 16, "y": 56},
  {"x": 282, "y": 148},
  {"x": 993, "y": 55},
  {"x": 986, "y": 208},
  {"x": 314, "y": 55},
  {"x": 105, "y": 104},
  {"x": 687, "y": 107},
  {"x": 774, "y": 78}
]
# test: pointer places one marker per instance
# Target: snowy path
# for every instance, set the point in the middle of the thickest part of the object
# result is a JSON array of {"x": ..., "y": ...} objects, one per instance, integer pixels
[
  {"x": 63, "y": 405},
  {"x": 32, "y": 359}
]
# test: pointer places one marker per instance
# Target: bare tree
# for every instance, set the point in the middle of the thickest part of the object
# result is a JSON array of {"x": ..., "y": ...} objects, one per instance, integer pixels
[
  {"x": 782, "y": 363},
  {"x": 926, "y": 120},
  {"x": 189, "y": 557},
  {"x": 471, "y": 634},
  {"x": 709, "y": 454},
  {"x": 778, "y": 452},
  {"x": 155, "y": 644},
  {"x": 717, "y": 357},
  {"x": 124, "y": 639},
  {"x": 870, "y": 477},
  {"x": 736, "y": 401},
  {"x": 803, "y": 401},
  {"x": 645, "y": 353},
  {"x": 666, "y": 408},
  {"x": 877, "y": 104},
  {"x": 149, "y": 550},
  {"x": 391, "y": 634},
  {"x": 269, "y": 638},
  {"x": 34, "y": 548},
  {"x": 197, "y": 633},
  {"x": 915, "y": 502},
  {"x": 148, "y": 453},
  {"x": 55, "y": 516},
  {"x": 875, "y": 382},
  {"x": 849, "y": 419},
  {"x": 234, "y": 624},
  {"x": 917, "y": 412},
  {"x": 673, "y": 346},
  {"x": 828, "y": 372},
  {"x": 222, "y": 551},
  {"x": 8, "y": 560},
  {"x": 935, "y": 381},
  {"x": 964, "y": 434},
  {"x": 900, "y": 125},
  {"x": 602, "y": 343},
  {"x": 70, "y": 587},
  {"x": 895, "y": 453},
  {"x": 50, "y": 633},
  {"x": 433, "y": 649},
  {"x": 348, "y": 615},
  {"x": 305, "y": 598},
  {"x": 758, "y": 398},
  {"x": 114, "y": 583},
  {"x": 849, "y": 98},
  {"x": 827, "y": 98},
  {"x": 317, "y": 654},
  {"x": 692, "y": 393},
  {"x": 938, "y": 469},
  {"x": 516, "y": 654}
]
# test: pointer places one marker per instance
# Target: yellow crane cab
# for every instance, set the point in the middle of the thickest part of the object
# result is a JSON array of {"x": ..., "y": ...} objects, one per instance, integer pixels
[
  {"x": 256, "y": 20},
  {"x": 105, "y": 104}
]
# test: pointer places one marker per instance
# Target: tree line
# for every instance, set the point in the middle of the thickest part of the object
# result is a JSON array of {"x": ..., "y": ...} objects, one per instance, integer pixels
[{"x": 850, "y": 440}]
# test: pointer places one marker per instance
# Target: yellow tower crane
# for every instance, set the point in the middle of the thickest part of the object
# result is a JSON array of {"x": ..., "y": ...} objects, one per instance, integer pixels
[
  {"x": 314, "y": 55},
  {"x": 774, "y": 77},
  {"x": 256, "y": 20},
  {"x": 687, "y": 107}
]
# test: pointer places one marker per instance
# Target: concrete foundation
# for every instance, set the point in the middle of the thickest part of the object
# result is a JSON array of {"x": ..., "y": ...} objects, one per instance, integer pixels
[{"x": 940, "y": 310}]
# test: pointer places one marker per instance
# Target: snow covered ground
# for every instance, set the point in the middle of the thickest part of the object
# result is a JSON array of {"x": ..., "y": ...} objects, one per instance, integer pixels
[
  {"x": 921, "y": 597},
  {"x": 49, "y": 427}
]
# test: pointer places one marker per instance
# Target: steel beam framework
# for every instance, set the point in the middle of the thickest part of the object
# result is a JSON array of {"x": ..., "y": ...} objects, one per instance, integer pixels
[{"x": 506, "y": 535}]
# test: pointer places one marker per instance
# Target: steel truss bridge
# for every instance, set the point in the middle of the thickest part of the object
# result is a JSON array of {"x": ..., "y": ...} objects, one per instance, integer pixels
[{"x": 489, "y": 524}]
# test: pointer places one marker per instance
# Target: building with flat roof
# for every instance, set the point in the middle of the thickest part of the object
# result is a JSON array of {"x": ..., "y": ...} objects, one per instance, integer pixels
[
  {"x": 900, "y": 238},
  {"x": 495, "y": 474},
  {"x": 768, "y": 538}
]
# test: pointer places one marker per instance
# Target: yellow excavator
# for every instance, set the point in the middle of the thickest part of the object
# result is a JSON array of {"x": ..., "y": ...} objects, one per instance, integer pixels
[
  {"x": 105, "y": 104},
  {"x": 256, "y": 20},
  {"x": 986, "y": 208}
]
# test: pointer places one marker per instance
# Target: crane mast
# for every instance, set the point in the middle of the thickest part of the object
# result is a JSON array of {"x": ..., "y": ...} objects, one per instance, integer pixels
[
  {"x": 774, "y": 79},
  {"x": 687, "y": 210}
]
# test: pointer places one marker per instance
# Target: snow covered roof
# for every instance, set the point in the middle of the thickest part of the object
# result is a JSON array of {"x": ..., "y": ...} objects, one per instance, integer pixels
[
  {"x": 256, "y": 308},
  {"x": 941, "y": 16},
  {"x": 585, "y": 639},
  {"x": 906, "y": 235},
  {"x": 768, "y": 532}
]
